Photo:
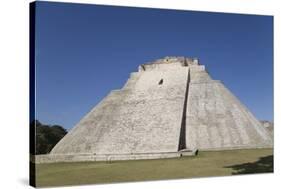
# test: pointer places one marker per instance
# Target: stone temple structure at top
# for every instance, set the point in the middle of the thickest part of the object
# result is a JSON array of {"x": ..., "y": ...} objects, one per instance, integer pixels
[{"x": 167, "y": 108}]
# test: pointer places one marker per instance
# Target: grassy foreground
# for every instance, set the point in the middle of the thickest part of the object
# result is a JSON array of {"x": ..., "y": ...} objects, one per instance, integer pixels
[{"x": 219, "y": 163}]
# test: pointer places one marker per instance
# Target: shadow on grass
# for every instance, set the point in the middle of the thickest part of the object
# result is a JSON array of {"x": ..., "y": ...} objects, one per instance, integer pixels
[{"x": 263, "y": 165}]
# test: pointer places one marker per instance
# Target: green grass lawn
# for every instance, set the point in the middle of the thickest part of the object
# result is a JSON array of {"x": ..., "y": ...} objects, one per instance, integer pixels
[{"x": 216, "y": 163}]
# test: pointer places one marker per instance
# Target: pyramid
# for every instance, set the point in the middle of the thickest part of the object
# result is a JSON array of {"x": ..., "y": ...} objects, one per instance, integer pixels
[{"x": 169, "y": 106}]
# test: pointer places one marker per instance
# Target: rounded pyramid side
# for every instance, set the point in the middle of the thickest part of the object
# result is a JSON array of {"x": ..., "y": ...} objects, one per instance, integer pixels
[{"x": 217, "y": 120}]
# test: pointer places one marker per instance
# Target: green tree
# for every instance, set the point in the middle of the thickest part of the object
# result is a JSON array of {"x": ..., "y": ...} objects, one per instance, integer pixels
[{"x": 47, "y": 136}]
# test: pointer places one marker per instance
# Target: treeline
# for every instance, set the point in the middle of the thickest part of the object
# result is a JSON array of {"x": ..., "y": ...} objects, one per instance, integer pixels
[{"x": 47, "y": 136}]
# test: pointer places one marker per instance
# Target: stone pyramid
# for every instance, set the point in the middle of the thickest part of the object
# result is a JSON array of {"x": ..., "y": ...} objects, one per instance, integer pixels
[{"x": 169, "y": 106}]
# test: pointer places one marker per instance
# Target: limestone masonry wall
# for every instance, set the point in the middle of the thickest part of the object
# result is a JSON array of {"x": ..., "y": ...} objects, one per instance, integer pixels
[
  {"x": 167, "y": 107},
  {"x": 144, "y": 116},
  {"x": 217, "y": 120}
]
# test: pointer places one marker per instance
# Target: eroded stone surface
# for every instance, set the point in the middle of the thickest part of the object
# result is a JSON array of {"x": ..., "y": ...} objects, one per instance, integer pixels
[
  {"x": 144, "y": 116},
  {"x": 148, "y": 116},
  {"x": 217, "y": 120}
]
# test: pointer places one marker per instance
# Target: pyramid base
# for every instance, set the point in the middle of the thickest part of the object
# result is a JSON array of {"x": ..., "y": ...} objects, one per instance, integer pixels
[{"x": 53, "y": 158}]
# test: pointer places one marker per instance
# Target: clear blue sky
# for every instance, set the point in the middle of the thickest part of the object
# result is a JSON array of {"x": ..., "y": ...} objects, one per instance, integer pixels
[{"x": 84, "y": 51}]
